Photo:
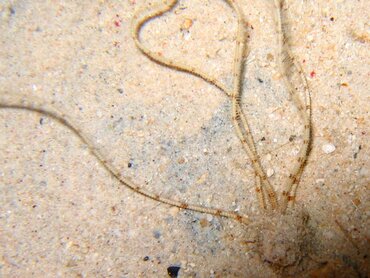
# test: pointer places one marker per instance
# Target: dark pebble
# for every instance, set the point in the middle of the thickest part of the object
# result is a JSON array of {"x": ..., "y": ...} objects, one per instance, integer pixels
[
  {"x": 157, "y": 234},
  {"x": 292, "y": 137},
  {"x": 173, "y": 271}
]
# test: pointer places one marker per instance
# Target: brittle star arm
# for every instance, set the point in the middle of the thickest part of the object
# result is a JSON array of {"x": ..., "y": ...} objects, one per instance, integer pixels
[
  {"x": 30, "y": 103},
  {"x": 287, "y": 66},
  {"x": 238, "y": 122},
  {"x": 143, "y": 16}
]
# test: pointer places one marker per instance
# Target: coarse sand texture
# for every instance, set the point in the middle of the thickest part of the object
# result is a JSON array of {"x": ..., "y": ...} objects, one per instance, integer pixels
[{"x": 184, "y": 138}]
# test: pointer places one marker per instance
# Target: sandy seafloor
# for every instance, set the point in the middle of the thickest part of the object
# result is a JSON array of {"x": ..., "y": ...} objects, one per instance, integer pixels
[{"x": 63, "y": 215}]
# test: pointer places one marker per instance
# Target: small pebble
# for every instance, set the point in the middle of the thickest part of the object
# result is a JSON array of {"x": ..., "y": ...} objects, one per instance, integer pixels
[
  {"x": 328, "y": 148},
  {"x": 270, "y": 57},
  {"x": 157, "y": 234},
  {"x": 268, "y": 157},
  {"x": 181, "y": 160},
  {"x": 320, "y": 181},
  {"x": 174, "y": 211},
  {"x": 187, "y": 23},
  {"x": 270, "y": 172},
  {"x": 173, "y": 271},
  {"x": 209, "y": 217},
  {"x": 203, "y": 223},
  {"x": 356, "y": 202},
  {"x": 202, "y": 178}
]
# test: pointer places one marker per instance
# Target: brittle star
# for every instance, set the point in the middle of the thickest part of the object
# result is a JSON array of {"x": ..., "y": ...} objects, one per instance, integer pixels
[
  {"x": 263, "y": 186},
  {"x": 286, "y": 66}
]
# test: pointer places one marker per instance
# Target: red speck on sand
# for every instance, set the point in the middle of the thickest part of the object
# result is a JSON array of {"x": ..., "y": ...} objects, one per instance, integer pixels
[{"x": 312, "y": 74}]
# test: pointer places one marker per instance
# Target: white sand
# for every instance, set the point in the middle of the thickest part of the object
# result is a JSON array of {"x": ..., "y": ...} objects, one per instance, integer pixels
[{"x": 61, "y": 214}]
